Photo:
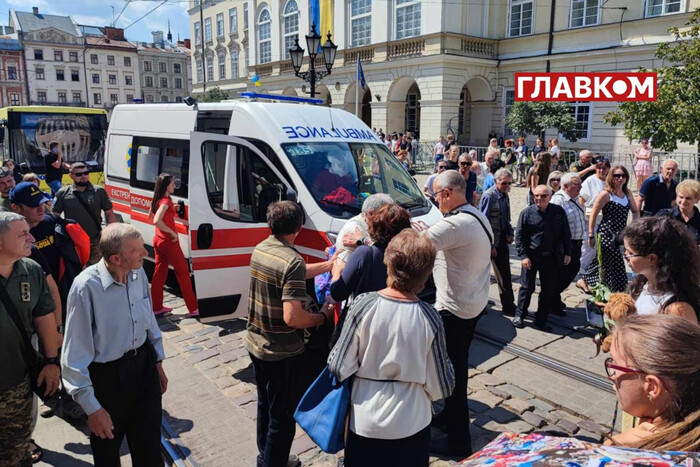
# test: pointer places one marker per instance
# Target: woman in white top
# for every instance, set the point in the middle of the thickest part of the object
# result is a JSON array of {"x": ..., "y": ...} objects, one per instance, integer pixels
[
  {"x": 394, "y": 345},
  {"x": 667, "y": 261}
]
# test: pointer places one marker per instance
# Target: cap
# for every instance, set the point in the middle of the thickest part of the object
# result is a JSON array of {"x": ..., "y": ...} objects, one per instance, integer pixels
[
  {"x": 28, "y": 194},
  {"x": 4, "y": 172}
]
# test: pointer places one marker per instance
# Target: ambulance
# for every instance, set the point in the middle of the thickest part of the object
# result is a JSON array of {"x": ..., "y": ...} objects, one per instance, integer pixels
[{"x": 230, "y": 160}]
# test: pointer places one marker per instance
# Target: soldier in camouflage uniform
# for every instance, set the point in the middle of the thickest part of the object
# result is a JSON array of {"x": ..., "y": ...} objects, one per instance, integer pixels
[{"x": 25, "y": 284}]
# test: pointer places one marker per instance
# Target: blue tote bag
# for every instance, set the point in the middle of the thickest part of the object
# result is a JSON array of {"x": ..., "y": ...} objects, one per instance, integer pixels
[{"x": 323, "y": 410}]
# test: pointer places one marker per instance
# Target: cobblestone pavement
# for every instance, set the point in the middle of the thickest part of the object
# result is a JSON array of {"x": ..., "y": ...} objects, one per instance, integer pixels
[{"x": 211, "y": 400}]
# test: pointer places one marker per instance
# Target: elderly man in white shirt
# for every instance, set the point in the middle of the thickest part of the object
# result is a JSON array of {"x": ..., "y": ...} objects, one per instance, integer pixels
[
  {"x": 358, "y": 226},
  {"x": 462, "y": 275}
]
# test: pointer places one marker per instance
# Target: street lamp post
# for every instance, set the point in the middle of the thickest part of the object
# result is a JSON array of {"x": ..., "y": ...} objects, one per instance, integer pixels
[{"x": 313, "y": 41}]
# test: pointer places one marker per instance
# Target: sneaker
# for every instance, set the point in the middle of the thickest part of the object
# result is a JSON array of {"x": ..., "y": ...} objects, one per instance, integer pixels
[
  {"x": 518, "y": 322},
  {"x": 193, "y": 314}
]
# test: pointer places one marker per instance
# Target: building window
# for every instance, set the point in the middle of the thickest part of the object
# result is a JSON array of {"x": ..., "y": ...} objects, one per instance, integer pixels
[
  {"x": 95, "y": 78},
  {"x": 291, "y": 25},
  {"x": 112, "y": 79},
  {"x": 147, "y": 66},
  {"x": 41, "y": 95},
  {"x": 110, "y": 60},
  {"x": 520, "y": 22},
  {"x": 164, "y": 98},
  {"x": 149, "y": 99},
  {"x": 97, "y": 98},
  {"x": 222, "y": 65},
  {"x": 148, "y": 82},
  {"x": 207, "y": 29},
  {"x": 407, "y": 18},
  {"x": 38, "y": 54},
  {"x": 127, "y": 61},
  {"x": 164, "y": 82},
  {"x": 11, "y": 72},
  {"x": 220, "y": 25},
  {"x": 62, "y": 98},
  {"x": 177, "y": 68},
  {"x": 77, "y": 98},
  {"x": 662, "y": 7},
  {"x": 197, "y": 33},
  {"x": 200, "y": 77},
  {"x": 581, "y": 111},
  {"x": 360, "y": 22},
  {"x": 14, "y": 99},
  {"x": 232, "y": 21},
  {"x": 234, "y": 64},
  {"x": 75, "y": 75},
  {"x": 40, "y": 74},
  {"x": 584, "y": 13},
  {"x": 60, "y": 75},
  {"x": 265, "y": 36},
  {"x": 210, "y": 67},
  {"x": 73, "y": 56},
  {"x": 163, "y": 67},
  {"x": 129, "y": 98},
  {"x": 178, "y": 99},
  {"x": 178, "y": 83},
  {"x": 94, "y": 59},
  {"x": 114, "y": 99},
  {"x": 245, "y": 16},
  {"x": 128, "y": 80},
  {"x": 58, "y": 55},
  {"x": 508, "y": 101}
]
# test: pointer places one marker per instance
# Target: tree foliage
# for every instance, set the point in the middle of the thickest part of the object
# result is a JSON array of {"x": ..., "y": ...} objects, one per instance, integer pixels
[
  {"x": 213, "y": 95},
  {"x": 675, "y": 115},
  {"x": 534, "y": 118}
]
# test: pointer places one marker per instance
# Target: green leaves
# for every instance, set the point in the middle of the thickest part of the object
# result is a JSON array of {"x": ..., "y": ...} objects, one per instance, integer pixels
[
  {"x": 213, "y": 95},
  {"x": 534, "y": 118}
]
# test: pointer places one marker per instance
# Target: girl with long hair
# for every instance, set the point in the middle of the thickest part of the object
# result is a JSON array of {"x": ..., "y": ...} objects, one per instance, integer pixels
[
  {"x": 615, "y": 201},
  {"x": 167, "y": 249},
  {"x": 666, "y": 259},
  {"x": 654, "y": 365},
  {"x": 538, "y": 174}
]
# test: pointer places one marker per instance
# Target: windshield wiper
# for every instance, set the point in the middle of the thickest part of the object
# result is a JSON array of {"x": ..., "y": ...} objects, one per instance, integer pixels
[
  {"x": 342, "y": 205},
  {"x": 412, "y": 204}
]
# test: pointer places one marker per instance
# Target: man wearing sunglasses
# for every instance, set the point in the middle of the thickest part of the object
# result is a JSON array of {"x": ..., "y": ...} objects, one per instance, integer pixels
[{"x": 84, "y": 203}]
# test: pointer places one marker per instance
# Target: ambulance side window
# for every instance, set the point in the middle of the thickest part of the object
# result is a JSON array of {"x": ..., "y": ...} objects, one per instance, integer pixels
[{"x": 152, "y": 156}]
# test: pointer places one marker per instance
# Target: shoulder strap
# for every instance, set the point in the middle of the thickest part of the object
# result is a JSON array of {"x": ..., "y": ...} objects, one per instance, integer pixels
[
  {"x": 480, "y": 223},
  {"x": 98, "y": 223},
  {"x": 12, "y": 311}
]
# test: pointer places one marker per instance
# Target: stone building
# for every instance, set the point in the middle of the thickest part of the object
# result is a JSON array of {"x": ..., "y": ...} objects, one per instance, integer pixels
[
  {"x": 440, "y": 65},
  {"x": 53, "y": 51},
  {"x": 164, "y": 69},
  {"x": 13, "y": 79}
]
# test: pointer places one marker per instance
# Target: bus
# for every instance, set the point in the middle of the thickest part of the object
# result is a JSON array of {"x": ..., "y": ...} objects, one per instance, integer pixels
[{"x": 26, "y": 133}]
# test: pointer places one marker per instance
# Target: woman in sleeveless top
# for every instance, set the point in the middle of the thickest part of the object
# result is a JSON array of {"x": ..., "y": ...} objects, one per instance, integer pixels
[
  {"x": 667, "y": 261},
  {"x": 642, "y": 163},
  {"x": 615, "y": 201}
]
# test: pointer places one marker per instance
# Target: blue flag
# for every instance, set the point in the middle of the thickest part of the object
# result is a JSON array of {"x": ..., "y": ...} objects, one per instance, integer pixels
[{"x": 361, "y": 75}]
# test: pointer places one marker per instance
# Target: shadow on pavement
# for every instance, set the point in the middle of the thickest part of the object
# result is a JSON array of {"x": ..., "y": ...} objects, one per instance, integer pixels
[
  {"x": 179, "y": 425},
  {"x": 60, "y": 459}
]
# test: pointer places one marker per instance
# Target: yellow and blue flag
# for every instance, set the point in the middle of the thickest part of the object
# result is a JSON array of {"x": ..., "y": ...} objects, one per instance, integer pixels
[
  {"x": 321, "y": 14},
  {"x": 256, "y": 79}
]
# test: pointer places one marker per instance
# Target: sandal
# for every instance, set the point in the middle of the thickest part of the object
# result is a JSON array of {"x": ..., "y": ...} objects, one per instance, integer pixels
[{"x": 37, "y": 453}]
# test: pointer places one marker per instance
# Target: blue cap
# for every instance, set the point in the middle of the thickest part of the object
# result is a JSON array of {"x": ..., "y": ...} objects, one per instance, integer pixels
[{"x": 28, "y": 194}]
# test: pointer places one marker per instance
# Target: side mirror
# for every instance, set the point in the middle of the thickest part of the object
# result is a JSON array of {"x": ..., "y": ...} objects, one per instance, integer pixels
[{"x": 290, "y": 195}]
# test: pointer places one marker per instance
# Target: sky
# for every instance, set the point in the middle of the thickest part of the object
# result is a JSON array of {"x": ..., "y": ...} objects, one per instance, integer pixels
[{"x": 99, "y": 13}]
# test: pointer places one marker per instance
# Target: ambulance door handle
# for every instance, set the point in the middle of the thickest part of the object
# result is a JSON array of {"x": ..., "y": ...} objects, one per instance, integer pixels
[{"x": 205, "y": 235}]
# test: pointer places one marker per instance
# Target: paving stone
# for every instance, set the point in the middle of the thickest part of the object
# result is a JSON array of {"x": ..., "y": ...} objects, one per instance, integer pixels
[
  {"x": 224, "y": 382},
  {"x": 481, "y": 419},
  {"x": 439, "y": 463},
  {"x": 493, "y": 425},
  {"x": 215, "y": 372},
  {"x": 533, "y": 419},
  {"x": 170, "y": 352},
  {"x": 516, "y": 391},
  {"x": 228, "y": 356},
  {"x": 518, "y": 405},
  {"x": 301, "y": 445},
  {"x": 475, "y": 385},
  {"x": 487, "y": 398},
  {"x": 199, "y": 339},
  {"x": 188, "y": 322},
  {"x": 208, "y": 364},
  {"x": 251, "y": 411},
  {"x": 167, "y": 327},
  {"x": 501, "y": 415},
  {"x": 473, "y": 372},
  {"x": 249, "y": 396},
  {"x": 499, "y": 393},
  {"x": 568, "y": 426},
  {"x": 231, "y": 337},
  {"x": 588, "y": 436},
  {"x": 238, "y": 389},
  {"x": 518, "y": 426},
  {"x": 562, "y": 415},
  {"x": 200, "y": 356},
  {"x": 181, "y": 338},
  {"x": 552, "y": 428},
  {"x": 207, "y": 330},
  {"x": 476, "y": 406},
  {"x": 592, "y": 427},
  {"x": 488, "y": 379},
  {"x": 193, "y": 348},
  {"x": 542, "y": 405},
  {"x": 212, "y": 342}
]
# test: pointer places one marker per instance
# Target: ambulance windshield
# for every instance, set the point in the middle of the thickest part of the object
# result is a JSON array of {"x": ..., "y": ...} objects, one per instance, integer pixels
[{"x": 341, "y": 176}]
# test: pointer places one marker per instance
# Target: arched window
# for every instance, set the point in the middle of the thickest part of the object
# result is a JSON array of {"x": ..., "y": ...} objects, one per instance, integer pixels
[
  {"x": 291, "y": 25},
  {"x": 264, "y": 37}
]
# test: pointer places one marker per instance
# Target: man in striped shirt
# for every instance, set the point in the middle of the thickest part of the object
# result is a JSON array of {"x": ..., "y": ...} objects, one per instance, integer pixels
[{"x": 275, "y": 340}]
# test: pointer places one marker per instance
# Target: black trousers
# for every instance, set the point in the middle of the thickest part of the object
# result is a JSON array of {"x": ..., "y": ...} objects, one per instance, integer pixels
[
  {"x": 413, "y": 451},
  {"x": 548, "y": 270},
  {"x": 280, "y": 386},
  {"x": 569, "y": 272},
  {"x": 129, "y": 390},
  {"x": 502, "y": 261},
  {"x": 459, "y": 334}
]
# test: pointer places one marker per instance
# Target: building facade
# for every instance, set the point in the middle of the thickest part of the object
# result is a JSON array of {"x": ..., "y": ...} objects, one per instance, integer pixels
[
  {"x": 13, "y": 78},
  {"x": 53, "y": 51},
  {"x": 436, "y": 66},
  {"x": 164, "y": 70}
]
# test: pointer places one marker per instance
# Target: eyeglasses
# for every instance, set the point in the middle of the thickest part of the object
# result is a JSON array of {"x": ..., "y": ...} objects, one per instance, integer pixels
[
  {"x": 623, "y": 252},
  {"x": 505, "y": 183},
  {"x": 619, "y": 175},
  {"x": 465, "y": 164},
  {"x": 438, "y": 192},
  {"x": 555, "y": 179},
  {"x": 81, "y": 174},
  {"x": 441, "y": 167},
  {"x": 610, "y": 368}
]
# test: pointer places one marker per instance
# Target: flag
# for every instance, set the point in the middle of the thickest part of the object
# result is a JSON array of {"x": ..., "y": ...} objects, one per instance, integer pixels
[
  {"x": 315, "y": 15},
  {"x": 326, "y": 19},
  {"x": 256, "y": 79},
  {"x": 361, "y": 75}
]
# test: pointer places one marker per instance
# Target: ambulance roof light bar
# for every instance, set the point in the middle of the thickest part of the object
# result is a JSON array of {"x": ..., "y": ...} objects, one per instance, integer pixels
[{"x": 278, "y": 97}]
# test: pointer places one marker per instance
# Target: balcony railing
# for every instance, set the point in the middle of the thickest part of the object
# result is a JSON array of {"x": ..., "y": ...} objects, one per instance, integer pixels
[
  {"x": 365, "y": 54},
  {"x": 406, "y": 48},
  {"x": 480, "y": 47}
]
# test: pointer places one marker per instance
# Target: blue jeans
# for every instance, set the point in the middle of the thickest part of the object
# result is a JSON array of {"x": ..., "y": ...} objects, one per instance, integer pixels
[{"x": 55, "y": 185}]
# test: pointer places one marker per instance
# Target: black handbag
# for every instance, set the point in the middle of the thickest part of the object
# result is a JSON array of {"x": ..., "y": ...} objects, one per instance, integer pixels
[{"x": 35, "y": 362}]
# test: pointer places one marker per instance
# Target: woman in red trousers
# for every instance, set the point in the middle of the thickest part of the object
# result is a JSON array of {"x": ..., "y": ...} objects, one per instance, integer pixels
[{"x": 167, "y": 249}]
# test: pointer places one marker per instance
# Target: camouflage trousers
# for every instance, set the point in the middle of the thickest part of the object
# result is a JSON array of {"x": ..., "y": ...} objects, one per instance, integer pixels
[{"x": 15, "y": 425}]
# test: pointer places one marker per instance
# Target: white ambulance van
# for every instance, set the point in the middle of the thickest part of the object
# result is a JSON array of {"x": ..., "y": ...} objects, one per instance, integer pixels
[{"x": 232, "y": 159}]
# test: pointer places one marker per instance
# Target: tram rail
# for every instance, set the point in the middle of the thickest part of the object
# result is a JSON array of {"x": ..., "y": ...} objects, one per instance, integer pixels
[{"x": 174, "y": 451}]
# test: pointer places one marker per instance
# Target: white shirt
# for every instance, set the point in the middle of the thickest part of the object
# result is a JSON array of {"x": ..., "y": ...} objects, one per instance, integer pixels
[
  {"x": 358, "y": 222},
  {"x": 462, "y": 270},
  {"x": 429, "y": 184},
  {"x": 439, "y": 148},
  {"x": 574, "y": 213},
  {"x": 403, "y": 344},
  {"x": 651, "y": 304},
  {"x": 590, "y": 190},
  {"x": 555, "y": 150}
]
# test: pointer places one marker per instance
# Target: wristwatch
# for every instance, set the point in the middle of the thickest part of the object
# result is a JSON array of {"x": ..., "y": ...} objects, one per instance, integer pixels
[
  {"x": 60, "y": 328},
  {"x": 52, "y": 361}
]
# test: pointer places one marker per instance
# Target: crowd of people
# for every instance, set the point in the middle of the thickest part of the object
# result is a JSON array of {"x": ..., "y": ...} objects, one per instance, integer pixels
[{"x": 401, "y": 353}]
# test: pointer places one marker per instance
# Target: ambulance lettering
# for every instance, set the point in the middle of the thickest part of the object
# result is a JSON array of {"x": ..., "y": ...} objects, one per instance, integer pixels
[{"x": 302, "y": 132}]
